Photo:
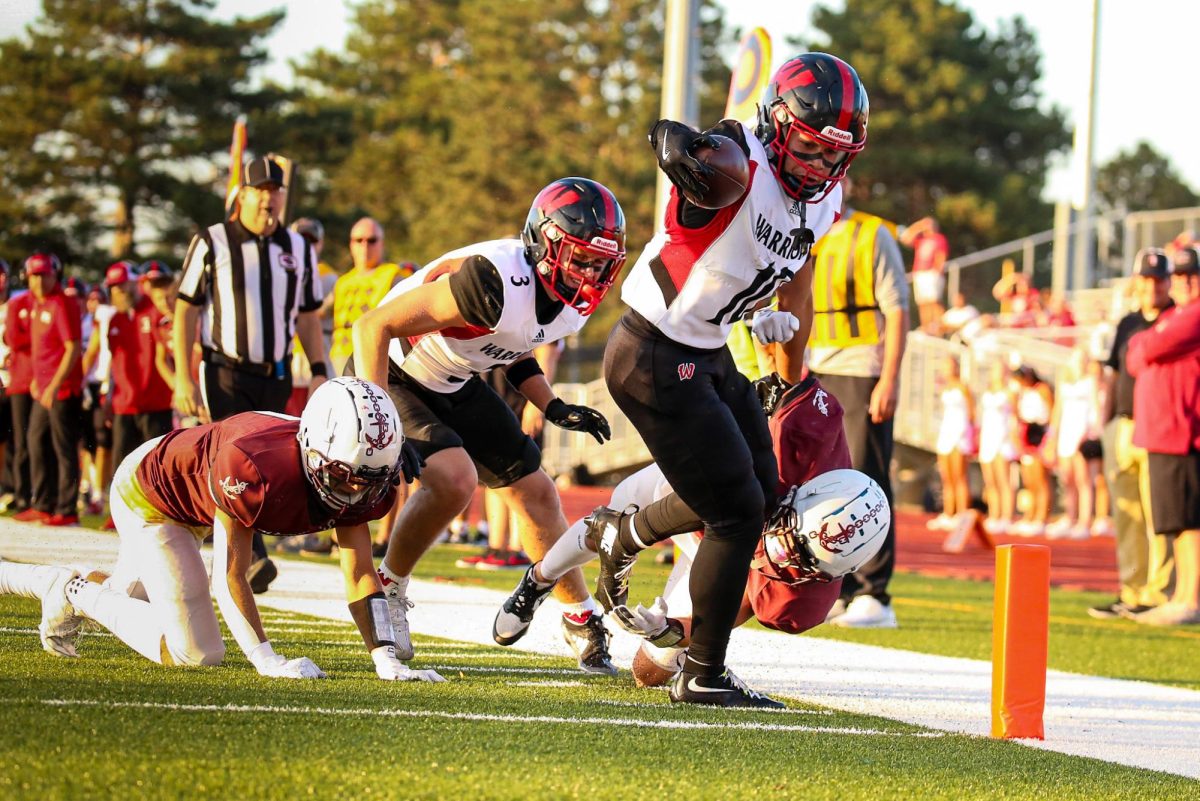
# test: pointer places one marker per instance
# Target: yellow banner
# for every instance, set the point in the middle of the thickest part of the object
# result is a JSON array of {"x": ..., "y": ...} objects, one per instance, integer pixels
[{"x": 751, "y": 72}]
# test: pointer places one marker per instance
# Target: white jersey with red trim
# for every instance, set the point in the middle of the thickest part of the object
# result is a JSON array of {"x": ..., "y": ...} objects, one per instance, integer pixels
[
  {"x": 693, "y": 284},
  {"x": 443, "y": 360}
]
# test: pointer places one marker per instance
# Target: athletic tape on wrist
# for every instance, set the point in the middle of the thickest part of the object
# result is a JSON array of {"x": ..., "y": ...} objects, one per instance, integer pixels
[{"x": 374, "y": 623}]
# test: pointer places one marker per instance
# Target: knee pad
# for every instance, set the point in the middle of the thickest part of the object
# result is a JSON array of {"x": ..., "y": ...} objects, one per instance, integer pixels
[{"x": 195, "y": 654}]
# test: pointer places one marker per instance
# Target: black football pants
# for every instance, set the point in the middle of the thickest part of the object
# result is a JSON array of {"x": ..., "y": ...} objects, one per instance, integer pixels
[
  {"x": 54, "y": 437},
  {"x": 702, "y": 422}
]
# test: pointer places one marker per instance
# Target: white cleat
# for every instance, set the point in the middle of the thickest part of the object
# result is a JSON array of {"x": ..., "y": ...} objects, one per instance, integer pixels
[
  {"x": 866, "y": 612},
  {"x": 60, "y": 621}
]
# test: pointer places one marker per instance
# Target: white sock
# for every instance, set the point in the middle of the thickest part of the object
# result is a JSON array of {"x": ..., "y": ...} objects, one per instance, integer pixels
[
  {"x": 581, "y": 610},
  {"x": 567, "y": 554},
  {"x": 132, "y": 621},
  {"x": 401, "y": 582},
  {"x": 28, "y": 581}
]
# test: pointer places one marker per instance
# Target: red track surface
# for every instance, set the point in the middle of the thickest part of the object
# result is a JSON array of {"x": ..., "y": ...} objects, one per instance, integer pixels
[{"x": 1074, "y": 564}]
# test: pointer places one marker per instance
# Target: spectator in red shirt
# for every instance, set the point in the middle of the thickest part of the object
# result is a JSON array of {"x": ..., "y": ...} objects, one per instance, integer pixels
[
  {"x": 6, "y": 431},
  {"x": 20, "y": 372},
  {"x": 930, "y": 251},
  {"x": 141, "y": 398},
  {"x": 55, "y": 424},
  {"x": 1165, "y": 361}
]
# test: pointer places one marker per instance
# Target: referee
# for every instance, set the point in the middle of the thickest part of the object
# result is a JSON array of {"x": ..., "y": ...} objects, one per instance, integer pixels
[{"x": 252, "y": 284}]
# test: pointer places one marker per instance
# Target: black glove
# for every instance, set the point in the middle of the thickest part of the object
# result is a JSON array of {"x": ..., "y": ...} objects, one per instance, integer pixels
[
  {"x": 770, "y": 389},
  {"x": 673, "y": 143},
  {"x": 578, "y": 418},
  {"x": 410, "y": 461}
]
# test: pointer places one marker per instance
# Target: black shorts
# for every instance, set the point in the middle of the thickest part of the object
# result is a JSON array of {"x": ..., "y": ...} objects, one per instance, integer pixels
[
  {"x": 473, "y": 418},
  {"x": 1091, "y": 450},
  {"x": 97, "y": 418},
  {"x": 1175, "y": 492}
]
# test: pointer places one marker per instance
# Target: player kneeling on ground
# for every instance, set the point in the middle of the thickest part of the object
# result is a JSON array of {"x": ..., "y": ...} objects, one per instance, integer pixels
[
  {"x": 337, "y": 466},
  {"x": 831, "y": 521}
]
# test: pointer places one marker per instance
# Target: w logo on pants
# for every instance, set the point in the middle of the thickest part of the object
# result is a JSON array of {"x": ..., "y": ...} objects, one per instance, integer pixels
[{"x": 686, "y": 370}]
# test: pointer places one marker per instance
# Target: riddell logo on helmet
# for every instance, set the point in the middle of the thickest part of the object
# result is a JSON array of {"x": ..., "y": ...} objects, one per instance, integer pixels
[
  {"x": 846, "y": 533},
  {"x": 837, "y": 135},
  {"x": 605, "y": 244}
]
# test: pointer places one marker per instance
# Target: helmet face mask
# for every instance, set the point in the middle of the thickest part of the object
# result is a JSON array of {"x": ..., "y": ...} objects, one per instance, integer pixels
[
  {"x": 828, "y": 526},
  {"x": 814, "y": 104},
  {"x": 350, "y": 438},
  {"x": 574, "y": 237}
]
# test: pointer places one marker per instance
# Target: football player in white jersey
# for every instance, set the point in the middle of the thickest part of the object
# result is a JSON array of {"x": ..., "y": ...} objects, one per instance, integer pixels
[
  {"x": 666, "y": 363},
  {"x": 477, "y": 308}
]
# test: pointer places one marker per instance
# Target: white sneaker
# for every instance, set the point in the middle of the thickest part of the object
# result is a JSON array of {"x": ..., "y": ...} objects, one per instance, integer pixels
[
  {"x": 60, "y": 621},
  {"x": 1169, "y": 614},
  {"x": 866, "y": 612},
  {"x": 1059, "y": 529},
  {"x": 398, "y": 606},
  {"x": 996, "y": 526},
  {"x": 1103, "y": 527},
  {"x": 942, "y": 522},
  {"x": 837, "y": 610},
  {"x": 1028, "y": 528},
  {"x": 1080, "y": 532}
]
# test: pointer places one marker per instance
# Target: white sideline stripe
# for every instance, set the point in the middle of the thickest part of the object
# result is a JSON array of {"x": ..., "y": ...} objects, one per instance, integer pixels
[
  {"x": 477, "y": 716},
  {"x": 548, "y": 684},
  {"x": 734, "y": 710},
  {"x": 1131, "y": 723}
]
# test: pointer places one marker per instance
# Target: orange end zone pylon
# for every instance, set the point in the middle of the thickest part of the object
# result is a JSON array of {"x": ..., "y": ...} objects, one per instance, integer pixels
[{"x": 1020, "y": 631}]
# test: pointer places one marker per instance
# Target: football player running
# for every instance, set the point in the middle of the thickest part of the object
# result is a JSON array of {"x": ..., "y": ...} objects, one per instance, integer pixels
[
  {"x": 478, "y": 308},
  {"x": 814, "y": 538},
  {"x": 666, "y": 363},
  {"x": 336, "y": 466}
]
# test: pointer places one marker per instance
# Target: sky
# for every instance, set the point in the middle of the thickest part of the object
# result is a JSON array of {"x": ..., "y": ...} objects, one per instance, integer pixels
[{"x": 1135, "y": 102}]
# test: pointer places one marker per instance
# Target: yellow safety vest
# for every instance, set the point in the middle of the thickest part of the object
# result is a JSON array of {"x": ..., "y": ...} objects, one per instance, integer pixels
[
  {"x": 356, "y": 293},
  {"x": 845, "y": 310}
]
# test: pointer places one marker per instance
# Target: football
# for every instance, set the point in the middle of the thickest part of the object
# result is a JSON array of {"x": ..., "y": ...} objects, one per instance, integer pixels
[{"x": 730, "y": 174}]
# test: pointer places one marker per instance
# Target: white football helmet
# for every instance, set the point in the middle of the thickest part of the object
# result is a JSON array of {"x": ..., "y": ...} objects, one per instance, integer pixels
[
  {"x": 350, "y": 439},
  {"x": 829, "y": 526}
]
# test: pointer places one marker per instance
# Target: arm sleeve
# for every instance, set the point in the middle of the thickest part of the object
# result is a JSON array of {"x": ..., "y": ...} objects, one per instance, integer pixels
[
  {"x": 690, "y": 216},
  {"x": 479, "y": 292},
  {"x": 197, "y": 266},
  {"x": 311, "y": 290},
  {"x": 236, "y": 485},
  {"x": 891, "y": 284},
  {"x": 1175, "y": 338}
]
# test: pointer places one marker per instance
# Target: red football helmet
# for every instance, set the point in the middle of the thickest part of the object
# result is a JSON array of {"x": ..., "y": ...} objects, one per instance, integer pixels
[
  {"x": 821, "y": 97},
  {"x": 575, "y": 239}
]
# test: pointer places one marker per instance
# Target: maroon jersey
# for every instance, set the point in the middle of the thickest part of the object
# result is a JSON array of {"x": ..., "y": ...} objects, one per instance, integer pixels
[
  {"x": 137, "y": 386},
  {"x": 249, "y": 465},
  {"x": 809, "y": 440},
  {"x": 16, "y": 336}
]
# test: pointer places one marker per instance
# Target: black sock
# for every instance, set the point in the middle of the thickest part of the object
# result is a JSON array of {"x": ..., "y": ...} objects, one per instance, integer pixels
[{"x": 657, "y": 522}]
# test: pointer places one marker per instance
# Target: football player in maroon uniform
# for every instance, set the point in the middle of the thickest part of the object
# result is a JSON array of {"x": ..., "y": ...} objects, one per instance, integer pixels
[{"x": 336, "y": 466}]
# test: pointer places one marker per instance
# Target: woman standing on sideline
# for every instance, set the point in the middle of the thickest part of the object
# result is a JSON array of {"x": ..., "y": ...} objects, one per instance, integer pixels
[
  {"x": 997, "y": 448},
  {"x": 1035, "y": 400},
  {"x": 956, "y": 440}
]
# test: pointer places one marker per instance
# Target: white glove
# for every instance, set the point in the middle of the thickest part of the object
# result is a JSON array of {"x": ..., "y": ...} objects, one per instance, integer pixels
[
  {"x": 770, "y": 326},
  {"x": 269, "y": 663},
  {"x": 650, "y": 624},
  {"x": 389, "y": 668}
]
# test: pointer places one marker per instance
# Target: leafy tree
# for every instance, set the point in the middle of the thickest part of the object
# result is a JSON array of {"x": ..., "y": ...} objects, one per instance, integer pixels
[
  {"x": 449, "y": 116},
  {"x": 114, "y": 112},
  {"x": 956, "y": 129},
  {"x": 1142, "y": 179}
]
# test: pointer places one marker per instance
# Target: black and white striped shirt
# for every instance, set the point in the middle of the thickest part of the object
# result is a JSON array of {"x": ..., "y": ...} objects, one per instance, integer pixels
[{"x": 251, "y": 289}]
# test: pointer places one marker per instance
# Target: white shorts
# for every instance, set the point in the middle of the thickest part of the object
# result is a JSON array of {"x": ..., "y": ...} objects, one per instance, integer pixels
[
  {"x": 159, "y": 561},
  {"x": 928, "y": 286}
]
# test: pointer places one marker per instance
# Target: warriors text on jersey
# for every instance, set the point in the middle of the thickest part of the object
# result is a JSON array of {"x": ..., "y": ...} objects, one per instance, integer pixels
[
  {"x": 250, "y": 466},
  {"x": 496, "y": 292},
  {"x": 693, "y": 283}
]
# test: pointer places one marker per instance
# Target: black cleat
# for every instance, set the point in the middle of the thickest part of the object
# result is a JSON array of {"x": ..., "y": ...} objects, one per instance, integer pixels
[
  {"x": 589, "y": 641},
  {"x": 260, "y": 574},
  {"x": 612, "y": 585},
  {"x": 724, "y": 690},
  {"x": 514, "y": 617}
]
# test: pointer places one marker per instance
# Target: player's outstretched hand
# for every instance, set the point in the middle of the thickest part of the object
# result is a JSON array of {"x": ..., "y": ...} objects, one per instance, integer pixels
[
  {"x": 770, "y": 326},
  {"x": 410, "y": 461},
  {"x": 674, "y": 143},
  {"x": 650, "y": 624},
  {"x": 389, "y": 668},
  {"x": 578, "y": 418}
]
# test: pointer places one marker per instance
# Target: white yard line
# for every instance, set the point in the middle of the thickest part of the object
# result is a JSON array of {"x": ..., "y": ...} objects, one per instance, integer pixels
[{"x": 1125, "y": 722}]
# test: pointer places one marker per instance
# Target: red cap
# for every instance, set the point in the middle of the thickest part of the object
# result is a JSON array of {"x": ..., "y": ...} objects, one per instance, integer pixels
[
  {"x": 41, "y": 264},
  {"x": 118, "y": 273}
]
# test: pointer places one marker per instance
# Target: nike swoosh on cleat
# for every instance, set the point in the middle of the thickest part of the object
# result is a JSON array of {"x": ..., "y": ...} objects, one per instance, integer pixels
[{"x": 697, "y": 688}]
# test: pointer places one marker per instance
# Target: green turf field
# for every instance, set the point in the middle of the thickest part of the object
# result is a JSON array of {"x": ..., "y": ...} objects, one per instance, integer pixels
[{"x": 506, "y": 725}]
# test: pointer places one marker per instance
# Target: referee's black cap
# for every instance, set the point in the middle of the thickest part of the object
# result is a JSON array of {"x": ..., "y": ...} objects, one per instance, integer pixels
[
  {"x": 262, "y": 171},
  {"x": 1186, "y": 261}
]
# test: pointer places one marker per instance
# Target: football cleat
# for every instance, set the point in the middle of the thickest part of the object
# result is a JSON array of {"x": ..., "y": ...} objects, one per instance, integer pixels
[
  {"x": 515, "y": 615},
  {"x": 398, "y": 606},
  {"x": 603, "y": 535},
  {"x": 60, "y": 621},
  {"x": 724, "y": 690},
  {"x": 260, "y": 574},
  {"x": 589, "y": 640}
]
